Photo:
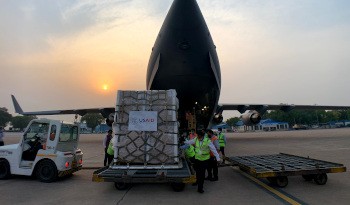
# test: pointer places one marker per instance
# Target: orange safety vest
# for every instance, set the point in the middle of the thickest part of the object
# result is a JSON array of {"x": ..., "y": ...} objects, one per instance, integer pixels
[{"x": 192, "y": 136}]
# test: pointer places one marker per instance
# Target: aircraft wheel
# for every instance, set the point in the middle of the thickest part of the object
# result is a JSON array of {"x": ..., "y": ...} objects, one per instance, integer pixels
[
  {"x": 46, "y": 171},
  {"x": 321, "y": 179},
  {"x": 121, "y": 185},
  {"x": 281, "y": 181},
  {"x": 307, "y": 177},
  {"x": 177, "y": 186},
  {"x": 5, "y": 171}
]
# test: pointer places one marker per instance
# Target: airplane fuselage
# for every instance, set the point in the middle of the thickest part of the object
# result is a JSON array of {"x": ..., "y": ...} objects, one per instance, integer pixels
[{"x": 184, "y": 58}]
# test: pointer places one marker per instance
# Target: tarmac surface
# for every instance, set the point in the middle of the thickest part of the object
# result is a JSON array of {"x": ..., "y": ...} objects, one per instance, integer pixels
[{"x": 233, "y": 187}]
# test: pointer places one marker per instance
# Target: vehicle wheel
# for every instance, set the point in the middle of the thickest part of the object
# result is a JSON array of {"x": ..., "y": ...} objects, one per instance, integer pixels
[
  {"x": 308, "y": 177},
  {"x": 177, "y": 187},
  {"x": 272, "y": 180},
  {"x": 46, "y": 171},
  {"x": 121, "y": 185},
  {"x": 281, "y": 181},
  {"x": 5, "y": 171},
  {"x": 320, "y": 179}
]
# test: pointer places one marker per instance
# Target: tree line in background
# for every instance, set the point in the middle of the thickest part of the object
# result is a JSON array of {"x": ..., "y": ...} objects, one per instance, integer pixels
[
  {"x": 305, "y": 117},
  {"x": 17, "y": 122},
  {"x": 92, "y": 119},
  {"x": 21, "y": 122}
]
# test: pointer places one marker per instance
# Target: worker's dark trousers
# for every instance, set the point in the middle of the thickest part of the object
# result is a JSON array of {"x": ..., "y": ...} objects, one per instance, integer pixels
[
  {"x": 108, "y": 159},
  {"x": 201, "y": 166},
  {"x": 212, "y": 168},
  {"x": 222, "y": 150}
]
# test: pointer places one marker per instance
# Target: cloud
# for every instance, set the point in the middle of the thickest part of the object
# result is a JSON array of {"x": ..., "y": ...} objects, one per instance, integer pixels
[
  {"x": 277, "y": 46},
  {"x": 27, "y": 26}
]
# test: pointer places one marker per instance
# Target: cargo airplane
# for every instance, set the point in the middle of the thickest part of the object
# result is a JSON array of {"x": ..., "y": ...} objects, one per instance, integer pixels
[{"x": 184, "y": 58}]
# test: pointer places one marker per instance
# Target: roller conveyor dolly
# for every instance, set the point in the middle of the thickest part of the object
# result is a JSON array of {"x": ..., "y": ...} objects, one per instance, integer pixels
[
  {"x": 277, "y": 167},
  {"x": 123, "y": 178}
]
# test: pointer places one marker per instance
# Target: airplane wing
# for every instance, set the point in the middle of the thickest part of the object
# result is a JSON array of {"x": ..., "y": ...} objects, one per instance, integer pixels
[
  {"x": 104, "y": 111},
  {"x": 257, "y": 110},
  {"x": 261, "y": 108}
]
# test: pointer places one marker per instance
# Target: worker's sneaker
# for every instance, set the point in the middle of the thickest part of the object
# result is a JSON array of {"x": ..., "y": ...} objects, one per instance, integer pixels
[{"x": 200, "y": 191}]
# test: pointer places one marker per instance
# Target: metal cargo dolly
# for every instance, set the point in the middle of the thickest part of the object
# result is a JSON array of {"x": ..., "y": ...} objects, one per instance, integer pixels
[
  {"x": 276, "y": 168},
  {"x": 123, "y": 178}
]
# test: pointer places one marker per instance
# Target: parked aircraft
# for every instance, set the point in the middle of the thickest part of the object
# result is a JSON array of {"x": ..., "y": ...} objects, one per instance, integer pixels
[{"x": 184, "y": 58}]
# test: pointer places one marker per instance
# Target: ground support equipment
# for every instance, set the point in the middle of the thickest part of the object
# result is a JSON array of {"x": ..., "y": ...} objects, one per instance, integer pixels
[
  {"x": 123, "y": 178},
  {"x": 277, "y": 167}
]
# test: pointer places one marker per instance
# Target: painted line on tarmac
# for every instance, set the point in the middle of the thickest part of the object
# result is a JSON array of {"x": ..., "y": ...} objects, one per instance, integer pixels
[{"x": 278, "y": 194}]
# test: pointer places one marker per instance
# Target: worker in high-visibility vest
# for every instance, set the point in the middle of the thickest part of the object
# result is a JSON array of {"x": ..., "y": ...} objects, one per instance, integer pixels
[
  {"x": 202, "y": 148},
  {"x": 213, "y": 164},
  {"x": 192, "y": 134},
  {"x": 106, "y": 142},
  {"x": 222, "y": 143},
  {"x": 110, "y": 151},
  {"x": 188, "y": 149},
  {"x": 190, "y": 153}
]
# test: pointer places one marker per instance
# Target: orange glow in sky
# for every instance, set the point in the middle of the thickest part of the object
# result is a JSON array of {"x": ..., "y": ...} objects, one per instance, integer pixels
[{"x": 77, "y": 54}]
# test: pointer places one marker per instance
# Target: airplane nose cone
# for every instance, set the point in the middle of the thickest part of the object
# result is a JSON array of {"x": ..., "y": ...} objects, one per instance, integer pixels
[
  {"x": 184, "y": 46},
  {"x": 184, "y": 58},
  {"x": 184, "y": 14}
]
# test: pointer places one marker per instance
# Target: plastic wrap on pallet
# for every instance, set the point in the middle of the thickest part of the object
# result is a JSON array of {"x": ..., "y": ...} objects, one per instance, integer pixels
[
  {"x": 147, "y": 100},
  {"x": 152, "y": 149},
  {"x": 147, "y": 148},
  {"x": 165, "y": 127},
  {"x": 164, "y": 149}
]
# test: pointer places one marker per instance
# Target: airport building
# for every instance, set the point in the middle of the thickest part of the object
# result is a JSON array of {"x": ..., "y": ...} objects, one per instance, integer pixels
[
  {"x": 102, "y": 128},
  {"x": 335, "y": 124},
  {"x": 84, "y": 128},
  {"x": 224, "y": 126},
  {"x": 263, "y": 125}
]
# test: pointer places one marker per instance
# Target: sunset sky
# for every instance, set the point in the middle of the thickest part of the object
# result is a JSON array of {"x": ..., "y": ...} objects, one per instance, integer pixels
[{"x": 64, "y": 54}]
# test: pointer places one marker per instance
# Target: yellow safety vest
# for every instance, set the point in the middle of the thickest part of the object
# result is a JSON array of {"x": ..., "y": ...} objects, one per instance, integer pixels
[
  {"x": 189, "y": 152},
  {"x": 202, "y": 151},
  {"x": 110, "y": 149},
  {"x": 221, "y": 140}
]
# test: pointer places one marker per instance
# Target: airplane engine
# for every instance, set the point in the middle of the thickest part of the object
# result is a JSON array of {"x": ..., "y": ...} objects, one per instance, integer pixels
[
  {"x": 218, "y": 118},
  {"x": 110, "y": 119},
  {"x": 251, "y": 118}
]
